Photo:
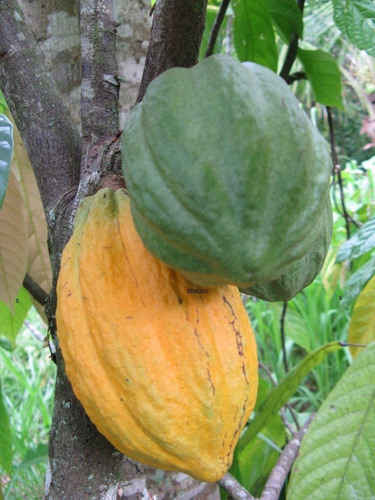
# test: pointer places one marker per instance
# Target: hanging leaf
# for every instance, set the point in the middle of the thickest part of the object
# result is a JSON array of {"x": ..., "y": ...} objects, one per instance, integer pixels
[
  {"x": 359, "y": 244},
  {"x": 324, "y": 75},
  {"x": 6, "y": 147},
  {"x": 254, "y": 36},
  {"x": 6, "y": 453},
  {"x": 356, "y": 20},
  {"x": 13, "y": 243},
  {"x": 38, "y": 263},
  {"x": 287, "y": 17},
  {"x": 284, "y": 391},
  {"x": 10, "y": 324},
  {"x": 337, "y": 459},
  {"x": 362, "y": 323},
  {"x": 357, "y": 281}
]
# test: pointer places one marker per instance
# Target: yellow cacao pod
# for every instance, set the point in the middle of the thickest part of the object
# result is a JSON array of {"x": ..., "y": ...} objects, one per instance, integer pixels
[{"x": 168, "y": 375}]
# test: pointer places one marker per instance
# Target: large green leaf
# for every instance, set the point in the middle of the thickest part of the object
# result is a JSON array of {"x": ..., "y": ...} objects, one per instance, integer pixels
[
  {"x": 356, "y": 20},
  {"x": 357, "y": 281},
  {"x": 362, "y": 323},
  {"x": 283, "y": 392},
  {"x": 337, "y": 459},
  {"x": 5, "y": 437},
  {"x": 362, "y": 242},
  {"x": 324, "y": 75},
  {"x": 254, "y": 36},
  {"x": 287, "y": 17},
  {"x": 10, "y": 324},
  {"x": 6, "y": 148}
]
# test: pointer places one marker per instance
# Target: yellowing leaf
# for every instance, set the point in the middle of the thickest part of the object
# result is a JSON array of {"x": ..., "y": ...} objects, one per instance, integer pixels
[
  {"x": 362, "y": 324},
  {"x": 13, "y": 243},
  {"x": 38, "y": 263}
]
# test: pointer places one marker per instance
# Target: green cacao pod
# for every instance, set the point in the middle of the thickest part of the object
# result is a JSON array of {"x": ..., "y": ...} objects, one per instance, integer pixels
[
  {"x": 302, "y": 272},
  {"x": 227, "y": 175}
]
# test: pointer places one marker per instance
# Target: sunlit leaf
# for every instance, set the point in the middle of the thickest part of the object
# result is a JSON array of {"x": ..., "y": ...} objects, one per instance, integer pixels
[
  {"x": 356, "y": 20},
  {"x": 13, "y": 243},
  {"x": 11, "y": 323},
  {"x": 6, "y": 147},
  {"x": 254, "y": 36},
  {"x": 337, "y": 459},
  {"x": 362, "y": 323},
  {"x": 324, "y": 75}
]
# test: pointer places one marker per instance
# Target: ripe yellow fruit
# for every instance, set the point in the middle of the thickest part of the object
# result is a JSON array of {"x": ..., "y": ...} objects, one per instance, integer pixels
[{"x": 166, "y": 370}]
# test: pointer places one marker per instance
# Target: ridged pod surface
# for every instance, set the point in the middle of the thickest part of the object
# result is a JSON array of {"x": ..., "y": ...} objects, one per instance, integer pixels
[
  {"x": 167, "y": 375},
  {"x": 302, "y": 272},
  {"x": 226, "y": 173}
]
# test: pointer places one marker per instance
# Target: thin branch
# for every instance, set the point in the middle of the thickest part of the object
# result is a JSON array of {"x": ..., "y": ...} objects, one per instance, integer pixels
[
  {"x": 234, "y": 488},
  {"x": 282, "y": 332},
  {"x": 35, "y": 290},
  {"x": 176, "y": 34},
  {"x": 51, "y": 139},
  {"x": 337, "y": 169},
  {"x": 216, "y": 27},
  {"x": 284, "y": 464},
  {"x": 292, "y": 53}
]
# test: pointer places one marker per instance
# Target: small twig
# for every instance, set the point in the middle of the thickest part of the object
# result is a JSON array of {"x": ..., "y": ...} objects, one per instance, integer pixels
[
  {"x": 216, "y": 27},
  {"x": 284, "y": 464},
  {"x": 234, "y": 488},
  {"x": 337, "y": 169},
  {"x": 282, "y": 332},
  {"x": 291, "y": 54},
  {"x": 35, "y": 290},
  {"x": 33, "y": 330}
]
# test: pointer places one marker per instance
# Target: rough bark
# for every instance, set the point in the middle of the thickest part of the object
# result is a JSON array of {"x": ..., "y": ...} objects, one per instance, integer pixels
[{"x": 176, "y": 34}]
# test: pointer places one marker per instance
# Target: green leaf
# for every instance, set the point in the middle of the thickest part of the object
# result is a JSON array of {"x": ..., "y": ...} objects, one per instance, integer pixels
[
  {"x": 359, "y": 244},
  {"x": 6, "y": 453},
  {"x": 254, "y": 36},
  {"x": 6, "y": 148},
  {"x": 287, "y": 17},
  {"x": 324, "y": 75},
  {"x": 362, "y": 323},
  {"x": 283, "y": 392},
  {"x": 337, "y": 459},
  {"x": 10, "y": 324},
  {"x": 356, "y": 20},
  {"x": 357, "y": 281}
]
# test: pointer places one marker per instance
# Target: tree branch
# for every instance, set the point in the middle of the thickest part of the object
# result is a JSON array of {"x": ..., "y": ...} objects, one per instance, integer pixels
[
  {"x": 50, "y": 137},
  {"x": 284, "y": 464},
  {"x": 291, "y": 54},
  {"x": 35, "y": 290},
  {"x": 337, "y": 169},
  {"x": 100, "y": 83},
  {"x": 176, "y": 35},
  {"x": 216, "y": 27},
  {"x": 234, "y": 488}
]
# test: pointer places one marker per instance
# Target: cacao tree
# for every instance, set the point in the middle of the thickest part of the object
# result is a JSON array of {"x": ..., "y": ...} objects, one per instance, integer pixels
[{"x": 69, "y": 90}]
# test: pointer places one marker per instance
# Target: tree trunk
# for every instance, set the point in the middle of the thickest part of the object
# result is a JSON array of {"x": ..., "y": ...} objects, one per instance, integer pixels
[{"x": 82, "y": 463}]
